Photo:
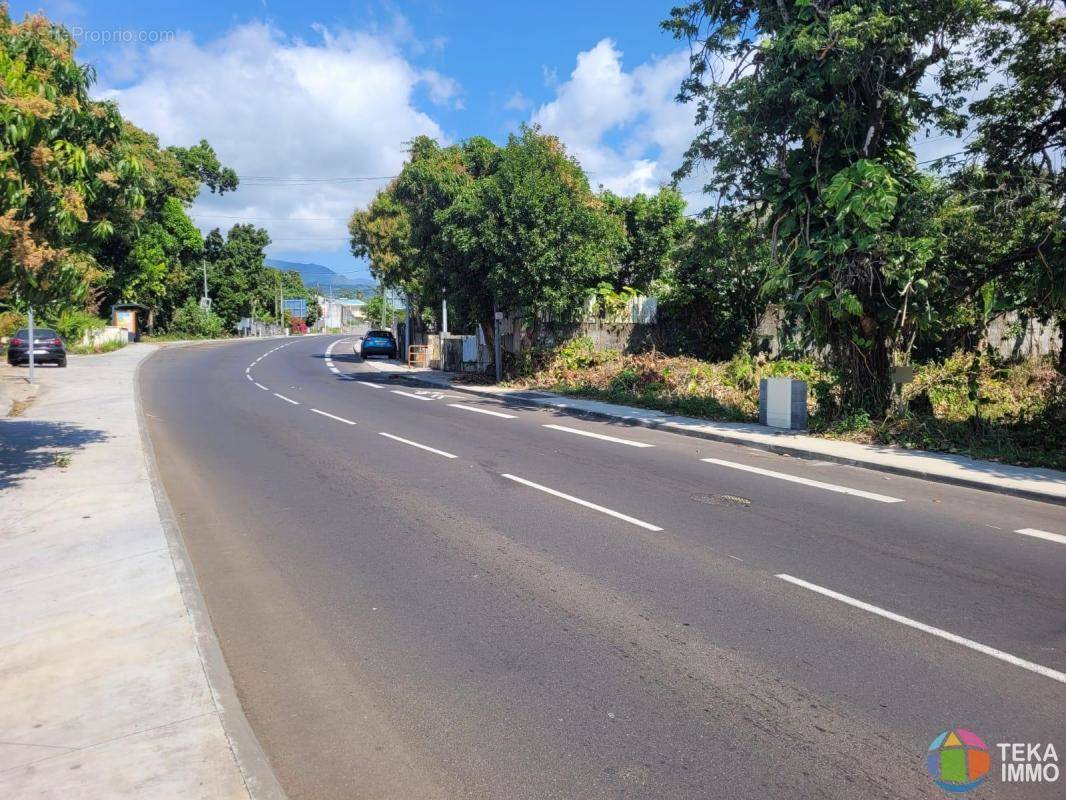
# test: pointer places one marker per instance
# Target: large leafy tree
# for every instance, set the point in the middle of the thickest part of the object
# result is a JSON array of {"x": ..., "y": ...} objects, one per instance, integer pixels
[
  {"x": 241, "y": 285},
  {"x": 654, "y": 227},
  {"x": 381, "y": 233},
  {"x": 426, "y": 188},
  {"x": 153, "y": 255},
  {"x": 63, "y": 169},
  {"x": 806, "y": 111},
  {"x": 1021, "y": 143},
  {"x": 533, "y": 236}
]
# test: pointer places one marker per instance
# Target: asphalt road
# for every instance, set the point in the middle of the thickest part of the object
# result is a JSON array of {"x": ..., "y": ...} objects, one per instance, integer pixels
[{"x": 524, "y": 611}]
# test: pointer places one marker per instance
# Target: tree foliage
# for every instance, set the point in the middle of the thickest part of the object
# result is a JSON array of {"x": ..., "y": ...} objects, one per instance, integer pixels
[
  {"x": 92, "y": 209},
  {"x": 806, "y": 112},
  {"x": 63, "y": 168},
  {"x": 654, "y": 227}
]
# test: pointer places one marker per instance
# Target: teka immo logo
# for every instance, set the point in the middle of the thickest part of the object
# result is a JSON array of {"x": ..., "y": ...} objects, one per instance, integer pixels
[{"x": 959, "y": 760}]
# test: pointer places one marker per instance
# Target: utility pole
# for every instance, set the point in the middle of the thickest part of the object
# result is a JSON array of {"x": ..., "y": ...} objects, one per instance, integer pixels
[
  {"x": 203, "y": 263},
  {"x": 497, "y": 345},
  {"x": 29, "y": 344},
  {"x": 407, "y": 326},
  {"x": 444, "y": 314},
  {"x": 281, "y": 305}
]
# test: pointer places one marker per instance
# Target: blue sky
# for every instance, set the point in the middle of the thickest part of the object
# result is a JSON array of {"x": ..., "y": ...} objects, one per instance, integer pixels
[{"x": 291, "y": 91}]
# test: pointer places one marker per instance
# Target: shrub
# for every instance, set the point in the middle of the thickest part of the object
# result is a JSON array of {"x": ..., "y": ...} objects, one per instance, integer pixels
[
  {"x": 11, "y": 321},
  {"x": 196, "y": 322},
  {"x": 73, "y": 325}
]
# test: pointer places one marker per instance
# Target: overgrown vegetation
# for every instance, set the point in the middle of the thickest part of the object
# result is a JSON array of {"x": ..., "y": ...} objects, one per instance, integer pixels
[
  {"x": 1015, "y": 413},
  {"x": 193, "y": 322}
]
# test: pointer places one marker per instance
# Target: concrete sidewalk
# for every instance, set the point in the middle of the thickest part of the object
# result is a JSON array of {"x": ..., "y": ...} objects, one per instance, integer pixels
[
  {"x": 1038, "y": 484},
  {"x": 112, "y": 682}
]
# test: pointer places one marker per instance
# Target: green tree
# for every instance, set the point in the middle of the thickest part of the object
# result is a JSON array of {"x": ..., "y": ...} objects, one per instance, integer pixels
[
  {"x": 61, "y": 165},
  {"x": 532, "y": 235},
  {"x": 715, "y": 296},
  {"x": 1021, "y": 140},
  {"x": 239, "y": 282},
  {"x": 809, "y": 127},
  {"x": 381, "y": 233},
  {"x": 654, "y": 226},
  {"x": 378, "y": 307},
  {"x": 201, "y": 162}
]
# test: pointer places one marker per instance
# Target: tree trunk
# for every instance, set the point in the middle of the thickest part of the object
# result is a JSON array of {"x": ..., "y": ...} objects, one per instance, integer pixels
[
  {"x": 866, "y": 373},
  {"x": 1062, "y": 345}
]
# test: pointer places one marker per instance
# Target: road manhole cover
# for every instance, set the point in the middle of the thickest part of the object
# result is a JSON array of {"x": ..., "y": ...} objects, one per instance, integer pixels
[{"x": 722, "y": 500}]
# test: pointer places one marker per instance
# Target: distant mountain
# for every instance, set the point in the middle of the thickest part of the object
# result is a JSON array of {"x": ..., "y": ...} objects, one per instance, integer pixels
[{"x": 322, "y": 276}]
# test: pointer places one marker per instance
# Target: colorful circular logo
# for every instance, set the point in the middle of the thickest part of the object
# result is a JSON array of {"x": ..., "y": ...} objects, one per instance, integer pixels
[{"x": 958, "y": 760}]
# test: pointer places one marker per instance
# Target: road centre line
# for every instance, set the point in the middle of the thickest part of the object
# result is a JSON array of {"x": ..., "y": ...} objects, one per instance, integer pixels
[
  {"x": 408, "y": 394},
  {"x": 829, "y": 487},
  {"x": 333, "y": 416},
  {"x": 416, "y": 444},
  {"x": 261, "y": 386},
  {"x": 602, "y": 436},
  {"x": 585, "y": 503},
  {"x": 286, "y": 399},
  {"x": 477, "y": 410},
  {"x": 1039, "y": 534},
  {"x": 1039, "y": 669}
]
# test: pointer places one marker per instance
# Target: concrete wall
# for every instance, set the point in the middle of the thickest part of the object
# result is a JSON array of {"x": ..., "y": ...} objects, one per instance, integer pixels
[{"x": 101, "y": 336}]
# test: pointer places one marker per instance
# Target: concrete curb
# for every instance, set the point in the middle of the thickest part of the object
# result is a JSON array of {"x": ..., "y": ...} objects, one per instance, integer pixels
[
  {"x": 259, "y": 778},
  {"x": 797, "y": 451}
]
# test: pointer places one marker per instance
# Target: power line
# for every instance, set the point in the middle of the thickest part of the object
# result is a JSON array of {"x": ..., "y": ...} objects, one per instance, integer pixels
[{"x": 273, "y": 219}]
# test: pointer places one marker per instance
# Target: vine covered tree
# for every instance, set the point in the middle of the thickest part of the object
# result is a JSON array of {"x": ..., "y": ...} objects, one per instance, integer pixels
[{"x": 806, "y": 110}]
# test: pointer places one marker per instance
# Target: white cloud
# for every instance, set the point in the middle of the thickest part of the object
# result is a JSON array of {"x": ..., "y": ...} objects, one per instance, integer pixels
[
  {"x": 624, "y": 127},
  {"x": 517, "y": 102},
  {"x": 273, "y": 105}
]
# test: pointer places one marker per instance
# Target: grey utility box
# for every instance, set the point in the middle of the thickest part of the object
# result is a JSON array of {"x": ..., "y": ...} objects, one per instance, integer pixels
[{"x": 783, "y": 403}]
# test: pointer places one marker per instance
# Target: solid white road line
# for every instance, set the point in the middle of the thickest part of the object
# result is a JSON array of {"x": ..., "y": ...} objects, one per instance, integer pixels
[
  {"x": 332, "y": 416},
  {"x": 477, "y": 410},
  {"x": 1039, "y": 534},
  {"x": 585, "y": 503},
  {"x": 261, "y": 386},
  {"x": 287, "y": 400},
  {"x": 408, "y": 394},
  {"x": 829, "y": 487},
  {"x": 603, "y": 436},
  {"x": 416, "y": 444},
  {"x": 1047, "y": 672}
]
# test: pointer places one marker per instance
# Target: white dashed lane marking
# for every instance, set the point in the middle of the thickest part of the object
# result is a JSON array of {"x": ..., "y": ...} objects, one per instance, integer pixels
[
  {"x": 416, "y": 444},
  {"x": 477, "y": 410},
  {"x": 602, "y": 436},
  {"x": 1039, "y": 534},
  {"x": 609, "y": 512},
  {"x": 261, "y": 386},
  {"x": 829, "y": 487},
  {"x": 286, "y": 399},
  {"x": 1039, "y": 669},
  {"x": 333, "y": 416}
]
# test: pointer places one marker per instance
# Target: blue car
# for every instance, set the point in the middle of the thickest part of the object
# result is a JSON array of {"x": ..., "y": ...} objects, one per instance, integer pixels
[{"x": 378, "y": 343}]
